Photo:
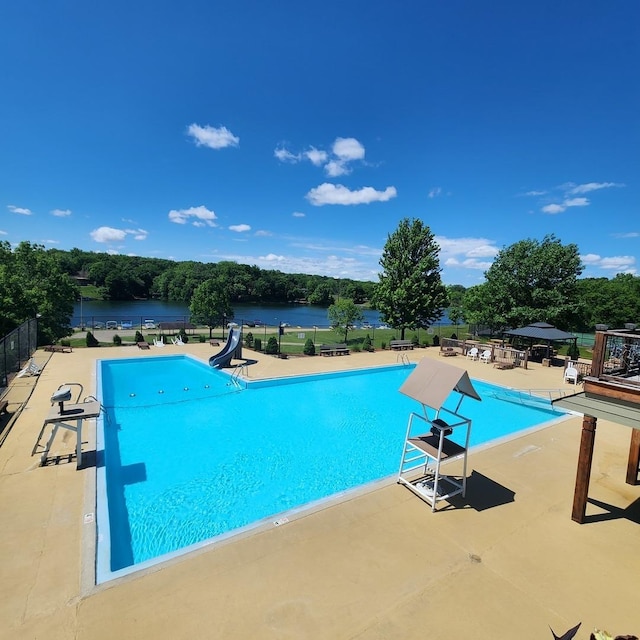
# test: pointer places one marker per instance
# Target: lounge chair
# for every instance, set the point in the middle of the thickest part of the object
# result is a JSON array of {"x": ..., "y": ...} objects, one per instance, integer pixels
[
  {"x": 472, "y": 353},
  {"x": 571, "y": 374},
  {"x": 32, "y": 369},
  {"x": 158, "y": 342},
  {"x": 486, "y": 356},
  {"x": 178, "y": 341}
]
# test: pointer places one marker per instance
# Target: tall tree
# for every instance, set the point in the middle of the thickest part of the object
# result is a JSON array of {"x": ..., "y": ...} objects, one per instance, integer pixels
[
  {"x": 343, "y": 315},
  {"x": 410, "y": 293},
  {"x": 210, "y": 304},
  {"x": 532, "y": 281},
  {"x": 32, "y": 284}
]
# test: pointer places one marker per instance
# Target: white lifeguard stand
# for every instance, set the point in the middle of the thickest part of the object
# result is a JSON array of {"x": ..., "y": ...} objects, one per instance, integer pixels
[
  {"x": 431, "y": 383},
  {"x": 68, "y": 416}
]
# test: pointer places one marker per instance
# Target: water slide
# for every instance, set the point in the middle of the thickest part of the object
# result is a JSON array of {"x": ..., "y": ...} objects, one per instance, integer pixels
[{"x": 225, "y": 356}]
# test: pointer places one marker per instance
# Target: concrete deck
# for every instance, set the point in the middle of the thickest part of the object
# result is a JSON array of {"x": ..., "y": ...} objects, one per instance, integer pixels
[{"x": 505, "y": 562}]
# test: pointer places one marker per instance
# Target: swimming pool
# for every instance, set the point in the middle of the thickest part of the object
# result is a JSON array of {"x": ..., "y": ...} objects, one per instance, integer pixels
[{"x": 186, "y": 455}]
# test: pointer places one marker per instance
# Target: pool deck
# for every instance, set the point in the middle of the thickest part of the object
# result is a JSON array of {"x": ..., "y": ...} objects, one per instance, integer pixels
[{"x": 505, "y": 562}]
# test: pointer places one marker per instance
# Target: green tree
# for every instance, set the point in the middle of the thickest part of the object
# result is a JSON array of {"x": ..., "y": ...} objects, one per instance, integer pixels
[
  {"x": 33, "y": 284},
  {"x": 410, "y": 293},
  {"x": 532, "y": 281},
  {"x": 343, "y": 315},
  {"x": 210, "y": 304}
]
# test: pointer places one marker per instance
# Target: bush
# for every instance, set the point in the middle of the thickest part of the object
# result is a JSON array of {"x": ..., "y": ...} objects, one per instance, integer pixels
[
  {"x": 272, "y": 346},
  {"x": 65, "y": 343},
  {"x": 383, "y": 345},
  {"x": 202, "y": 338},
  {"x": 573, "y": 351},
  {"x": 366, "y": 344},
  {"x": 309, "y": 348},
  {"x": 425, "y": 342},
  {"x": 257, "y": 344},
  {"x": 248, "y": 340},
  {"x": 182, "y": 334},
  {"x": 91, "y": 340},
  {"x": 414, "y": 340},
  {"x": 454, "y": 336},
  {"x": 139, "y": 337},
  {"x": 117, "y": 340},
  {"x": 436, "y": 340}
]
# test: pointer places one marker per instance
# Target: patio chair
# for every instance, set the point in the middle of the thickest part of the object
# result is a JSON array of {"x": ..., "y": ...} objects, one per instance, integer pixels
[
  {"x": 486, "y": 356},
  {"x": 571, "y": 374},
  {"x": 158, "y": 342},
  {"x": 472, "y": 354},
  {"x": 178, "y": 341},
  {"x": 32, "y": 369}
]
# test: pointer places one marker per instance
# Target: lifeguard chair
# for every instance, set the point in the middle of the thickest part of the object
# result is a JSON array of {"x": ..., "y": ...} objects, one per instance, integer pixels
[{"x": 429, "y": 439}]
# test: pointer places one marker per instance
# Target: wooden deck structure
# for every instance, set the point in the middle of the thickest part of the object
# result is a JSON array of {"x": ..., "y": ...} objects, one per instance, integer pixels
[{"x": 612, "y": 392}]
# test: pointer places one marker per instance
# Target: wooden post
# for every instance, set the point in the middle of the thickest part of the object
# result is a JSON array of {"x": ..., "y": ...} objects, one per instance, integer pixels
[
  {"x": 584, "y": 469},
  {"x": 634, "y": 458}
]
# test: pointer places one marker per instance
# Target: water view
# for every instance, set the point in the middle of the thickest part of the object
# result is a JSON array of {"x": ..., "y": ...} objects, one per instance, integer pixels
[{"x": 96, "y": 313}]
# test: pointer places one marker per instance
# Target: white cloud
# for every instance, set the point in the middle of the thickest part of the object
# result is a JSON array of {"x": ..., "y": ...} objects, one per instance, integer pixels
[
  {"x": 576, "y": 202},
  {"x": 298, "y": 214},
  {"x": 201, "y": 214},
  {"x": 138, "y": 234},
  {"x": 20, "y": 210},
  {"x": 335, "y": 168},
  {"x": 620, "y": 264},
  {"x": 574, "y": 189},
  {"x": 467, "y": 253},
  {"x": 212, "y": 137},
  {"x": 630, "y": 234},
  {"x": 316, "y": 156},
  {"x": 535, "y": 193},
  {"x": 328, "y": 193},
  {"x": 348, "y": 149},
  {"x": 60, "y": 213},
  {"x": 336, "y": 163},
  {"x": 240, "y": 228},
  {"x": 3, "y": 233},
  {"x": 553, "y": 208},
  {"x": 108, "y": 234},
  {"x": 284, "y": 155},
  {"x": 263, "y": 233},
  {"x": 435, "y": 192}
]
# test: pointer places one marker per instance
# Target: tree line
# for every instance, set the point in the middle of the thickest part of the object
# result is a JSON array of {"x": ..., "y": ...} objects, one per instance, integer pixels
[{"x": 529, "y": 281}]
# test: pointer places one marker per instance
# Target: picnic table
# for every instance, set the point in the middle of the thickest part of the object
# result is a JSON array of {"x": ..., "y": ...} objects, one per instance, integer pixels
[{"x": 334, "y": 350}]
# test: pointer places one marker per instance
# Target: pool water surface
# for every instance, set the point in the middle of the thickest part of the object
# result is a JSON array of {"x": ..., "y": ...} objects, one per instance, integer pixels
[{"x": 187, "y": 455}]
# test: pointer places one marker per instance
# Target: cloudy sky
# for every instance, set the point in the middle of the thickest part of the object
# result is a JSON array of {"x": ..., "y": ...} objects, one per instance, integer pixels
[{"x": 296, "y": 135}]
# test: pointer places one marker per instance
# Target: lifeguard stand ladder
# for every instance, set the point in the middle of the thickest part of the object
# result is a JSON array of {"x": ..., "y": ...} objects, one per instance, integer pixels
[{"x": 427, "y": 443}]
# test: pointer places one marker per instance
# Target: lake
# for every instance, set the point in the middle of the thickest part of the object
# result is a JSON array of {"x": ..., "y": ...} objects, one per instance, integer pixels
[{"x": 90, "y": 312}]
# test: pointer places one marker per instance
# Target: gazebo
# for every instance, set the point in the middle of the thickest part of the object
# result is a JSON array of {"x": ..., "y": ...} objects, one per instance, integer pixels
[{"x": 544, "y": 333}]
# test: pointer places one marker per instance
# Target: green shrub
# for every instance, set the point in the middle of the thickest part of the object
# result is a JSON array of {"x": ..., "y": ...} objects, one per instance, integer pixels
[
  {"x": 257, "y": 344},
  {"x": 414, "y": 340},
  {"x": 573, "y": 351},
  {"x": 366, "y": 343},
  {"x": 425, "y": 342},
  {"x": 454, "y": 336},
  {"x": 356, "y": 348},
  {"x": 202, "y": 338},
  {"x": 248, "y": 340},
  {"x": 139, "y": 337},
  {"x": 91, "y": 340},
  {"x": 182, "y": 334},
  {"x": 436, "y": 340},
  {"x": 65, "y": 343},
  {"x": 117, "y": 340},
  {"x": 383, "y": 345},
  {"x": 272, "y": 346},
  {"x": 309, "y": 348}
]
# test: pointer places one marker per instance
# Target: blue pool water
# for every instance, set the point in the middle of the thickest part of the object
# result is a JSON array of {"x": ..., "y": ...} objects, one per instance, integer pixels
[{"x": 186, "y": 456}]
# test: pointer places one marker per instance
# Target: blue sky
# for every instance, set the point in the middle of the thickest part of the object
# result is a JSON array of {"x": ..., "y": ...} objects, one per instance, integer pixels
[{"x": 296, "y": 135}]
